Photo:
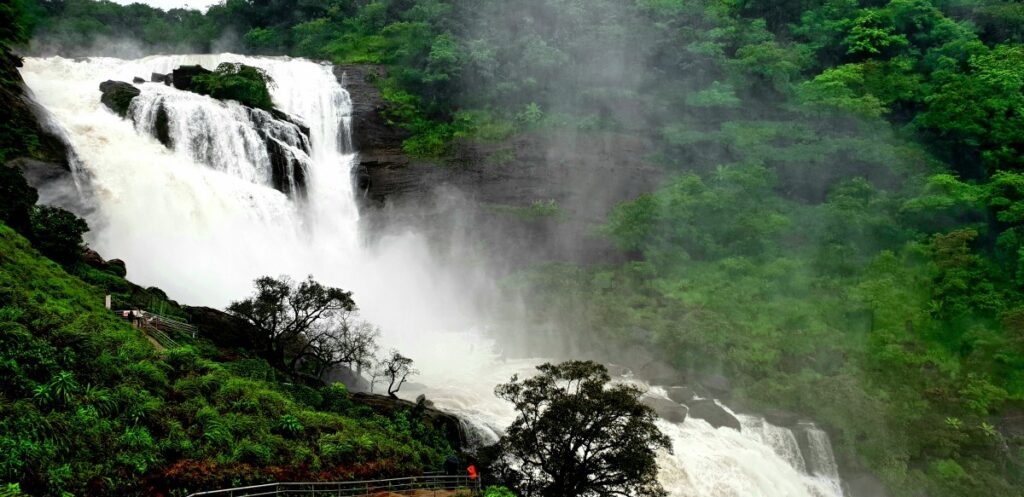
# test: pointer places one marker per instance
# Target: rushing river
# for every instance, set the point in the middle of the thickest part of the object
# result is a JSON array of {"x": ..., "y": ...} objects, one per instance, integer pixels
[{"x": 202, "y": 221}]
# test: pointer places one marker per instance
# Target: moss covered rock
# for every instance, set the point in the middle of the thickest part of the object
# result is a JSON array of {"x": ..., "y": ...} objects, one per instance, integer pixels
[{"x": 118, "y": 95}]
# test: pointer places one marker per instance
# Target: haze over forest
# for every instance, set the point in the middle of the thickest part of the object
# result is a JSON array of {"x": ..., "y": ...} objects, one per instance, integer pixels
[{"x": 777, "y": 246}]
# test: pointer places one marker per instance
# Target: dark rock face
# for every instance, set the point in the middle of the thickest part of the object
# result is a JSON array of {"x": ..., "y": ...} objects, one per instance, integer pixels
[
  {"x": 711, "y": 412},
  {"x": 118, "y": 95},
  {"x": 223, "y": 329},
  {"x": 666, "y": 409},
  {"x": 138, "y": 80},
  {"x": 371, "y": 133},
  {"x": 118, "y": 267},
  {"x": 55, "y": 184},
  {"x": 181, "y": 78},
  {"x": 162, "y": 127},
  {"x": 681, "y": 394},
  {"x": 780, "y": 417},
  {"x": 576, "y": 178},
  {"x": 447, "y": 424},
  {"x": 351, "y": 379},
  {"x": 160, "y": 78},
  {"x": 280, "y": 132}
]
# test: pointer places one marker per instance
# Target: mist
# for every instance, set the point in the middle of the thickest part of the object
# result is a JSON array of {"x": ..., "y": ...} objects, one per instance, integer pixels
[{"x": 675, "y": 189}]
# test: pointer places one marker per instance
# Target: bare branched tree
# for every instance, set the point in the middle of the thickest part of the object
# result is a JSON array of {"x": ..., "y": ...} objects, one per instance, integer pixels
[{"x": 393, "y": 368}]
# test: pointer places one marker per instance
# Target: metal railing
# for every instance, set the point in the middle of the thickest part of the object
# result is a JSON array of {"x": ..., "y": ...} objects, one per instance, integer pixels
[
  {"x": 420, "y": 486},
  {"x": 159, "y": 326}
]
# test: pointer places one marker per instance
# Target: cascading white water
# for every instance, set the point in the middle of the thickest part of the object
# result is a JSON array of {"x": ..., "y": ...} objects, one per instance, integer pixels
[
  {"x": 782, "y": 440},
  {"x": 201, "y": 221},
  {"x": 225, "y": 136}
]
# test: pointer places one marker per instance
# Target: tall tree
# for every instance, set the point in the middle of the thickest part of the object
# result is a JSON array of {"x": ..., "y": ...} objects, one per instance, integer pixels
[
  {"x": 576, "y": 435},
  {"x": 287, "y": 317}
]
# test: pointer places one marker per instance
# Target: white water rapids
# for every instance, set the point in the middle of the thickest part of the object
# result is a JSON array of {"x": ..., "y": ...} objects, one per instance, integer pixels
[{"x": 201, "y": 222}]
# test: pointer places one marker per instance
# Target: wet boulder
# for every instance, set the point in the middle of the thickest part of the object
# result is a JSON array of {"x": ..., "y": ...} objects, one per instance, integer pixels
[
  {"x": 666, "y": 409},
  {"x": 138, "y": 80},
  {"x": 162, "y": 127},
  {"x": 681, "y": 394},
  {"x": 714, "y": 414},
  {"x": 181, "y": 78},
  {"x": 118, "y": 95}
]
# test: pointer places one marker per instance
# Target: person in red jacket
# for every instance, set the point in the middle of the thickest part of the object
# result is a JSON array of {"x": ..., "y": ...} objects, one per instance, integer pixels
[{"x": 472, "y": 472}]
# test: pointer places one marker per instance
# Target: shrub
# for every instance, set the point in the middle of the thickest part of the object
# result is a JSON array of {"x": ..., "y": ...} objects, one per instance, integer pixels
[
  {"x": 57, "y": 233},
  {"x": 245, "y": 84}
]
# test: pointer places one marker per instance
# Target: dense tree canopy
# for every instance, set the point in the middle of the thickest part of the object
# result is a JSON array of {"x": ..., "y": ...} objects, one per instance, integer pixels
[{"x": 578, "y": 436}]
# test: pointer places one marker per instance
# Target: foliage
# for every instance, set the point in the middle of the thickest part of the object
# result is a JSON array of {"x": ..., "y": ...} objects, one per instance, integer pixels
[
  {"x": 57, "y": 233},
  {"x": 16, "y": 200},
  {"x": 88, "y": 407},
  {"x": 295, "y": 322},
  {"x": 245, "y": 84},
  {"x": 576, "y": 435}
]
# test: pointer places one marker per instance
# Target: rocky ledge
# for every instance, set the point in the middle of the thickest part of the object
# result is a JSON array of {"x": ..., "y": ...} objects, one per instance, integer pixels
[
  {"x": 537, "y": 196},
  {"x": 447, "y": 424},
  {"x": 279, "y": 132}
]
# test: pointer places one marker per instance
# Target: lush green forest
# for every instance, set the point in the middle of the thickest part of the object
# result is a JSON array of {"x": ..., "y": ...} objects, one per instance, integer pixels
[
  {"x": 843, "y": 230},
  {"x": 89, "y": 407}
]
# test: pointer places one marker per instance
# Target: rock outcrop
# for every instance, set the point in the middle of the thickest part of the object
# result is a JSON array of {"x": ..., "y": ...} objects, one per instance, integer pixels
[
  {"x": 281, "y": 134},
  {"x": 535, "y": 196},
  {"x": 181, "y": 78},
  {"x": 666, "y": 409},
  {"x": 447, "y": 424},
  {"x": 681, "y": 394},
  {"x": 710, "y": 411},
  {"x": 221, "y": 328},
  {"x": 118, "y": 95},
  {"x": 36, "y": 147}
]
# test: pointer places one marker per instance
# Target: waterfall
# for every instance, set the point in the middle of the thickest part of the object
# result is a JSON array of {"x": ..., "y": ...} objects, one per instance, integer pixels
[
  {"x": 781, "y": 440},
  {"x": 201, "y": 219},
  {"x": 225, "y": 136}
]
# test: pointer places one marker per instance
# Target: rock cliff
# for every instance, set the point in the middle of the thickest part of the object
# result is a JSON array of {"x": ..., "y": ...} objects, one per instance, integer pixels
[{"x": 538, "y": 196}]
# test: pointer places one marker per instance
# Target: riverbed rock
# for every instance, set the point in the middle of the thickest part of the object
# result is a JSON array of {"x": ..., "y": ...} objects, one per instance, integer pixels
[
  {"x": 138, "y": 80},
  {"x": 160, "y": 78},
  {"x": 448, "y": 424},
  {"x": 285, "y": 167},
  {"x": 681, "y": 395},
  {"x": 118, "y": 95},
  {"x": 710, "y": 411},
  {"x": 181, "y": 78},
  {"x": 668, "y": 410},
  {"x": 162, "y": 127}
]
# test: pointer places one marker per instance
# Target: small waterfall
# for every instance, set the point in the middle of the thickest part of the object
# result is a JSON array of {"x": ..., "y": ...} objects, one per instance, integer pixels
[
  {"x": 781, "y": 440},
  {"x": 249, "y": 144},
  {"x": 821, "y": 461}
]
